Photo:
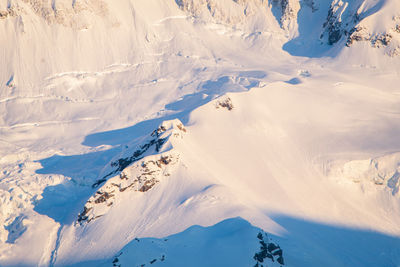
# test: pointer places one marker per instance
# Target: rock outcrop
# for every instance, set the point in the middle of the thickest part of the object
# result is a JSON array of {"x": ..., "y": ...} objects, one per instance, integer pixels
[
  {"x": 146, "y": 165},
  {"x": 269, "y": 251},
  {"x": 388, "y": 40},
  {"x": 339, "y": 22}
]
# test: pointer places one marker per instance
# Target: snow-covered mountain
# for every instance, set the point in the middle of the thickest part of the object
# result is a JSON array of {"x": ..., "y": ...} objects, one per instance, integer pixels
[{"x": 200, "y": 133}]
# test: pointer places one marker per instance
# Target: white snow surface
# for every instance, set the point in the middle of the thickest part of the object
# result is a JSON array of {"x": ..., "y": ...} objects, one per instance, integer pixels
[{"x": 235, "y": 117}]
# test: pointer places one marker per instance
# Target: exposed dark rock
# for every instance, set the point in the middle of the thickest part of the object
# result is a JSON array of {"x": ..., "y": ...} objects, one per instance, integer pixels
[
  {"x": 397, "y": 28},
  {"x": 333, "y": 26},
  {"x": 122, "y": 163},
  {"x": 339, "y": 23},
  {"x": 148, "y": 185},
  {"x": 83, "y": 215},
  {"x": 382, "y": 40},
  {"x": 356, "y": 35},
  {"x": 271, "y": 247},
  {"x": 377, "y": 40},
  {"x": 3, "y": 14},
  {"x": 146, "y": 175},
  {"x": 116, "y": 260},
  {"x": 268, "y": 250},
  {"x": 103, "y": 197},
  {"x": 139, "y": 177},
  {"x": 280, "y": 260},
  {"x": 226, "y": 103},
  {"x": 158, "y": 131}
]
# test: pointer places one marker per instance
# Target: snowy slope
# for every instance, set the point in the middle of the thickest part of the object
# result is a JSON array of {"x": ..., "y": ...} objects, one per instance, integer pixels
[
  {"x": 231, "y": 242},
  {"x": 135, "y": 120}
]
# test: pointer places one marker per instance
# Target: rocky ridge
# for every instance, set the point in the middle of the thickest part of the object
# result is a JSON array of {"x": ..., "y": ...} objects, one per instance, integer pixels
[{"x": 146, "y": 166}]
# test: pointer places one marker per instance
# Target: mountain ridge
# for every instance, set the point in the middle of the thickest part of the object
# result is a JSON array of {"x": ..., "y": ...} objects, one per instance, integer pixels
[{"x": 135, "y": 120}]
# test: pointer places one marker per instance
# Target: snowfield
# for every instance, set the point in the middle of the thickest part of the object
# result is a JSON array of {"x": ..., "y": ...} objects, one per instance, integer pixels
[{"x": 200, "y": 133}]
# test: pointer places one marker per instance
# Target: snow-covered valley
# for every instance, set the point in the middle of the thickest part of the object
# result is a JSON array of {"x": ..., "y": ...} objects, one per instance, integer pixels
[{"x": 200, "y": 133}]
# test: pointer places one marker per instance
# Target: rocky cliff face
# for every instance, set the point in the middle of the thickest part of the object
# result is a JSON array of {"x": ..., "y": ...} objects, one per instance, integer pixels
[
  {"x": 346, "y": 20},
  {"x": 338, "y": 22}
]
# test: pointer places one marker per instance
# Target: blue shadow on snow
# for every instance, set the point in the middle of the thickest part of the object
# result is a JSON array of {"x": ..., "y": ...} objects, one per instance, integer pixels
[{"x": 234, "y": 241}]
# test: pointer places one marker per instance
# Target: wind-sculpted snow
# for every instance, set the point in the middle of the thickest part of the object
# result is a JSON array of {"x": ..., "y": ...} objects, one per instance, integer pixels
[{"x": 381, "y": 172}]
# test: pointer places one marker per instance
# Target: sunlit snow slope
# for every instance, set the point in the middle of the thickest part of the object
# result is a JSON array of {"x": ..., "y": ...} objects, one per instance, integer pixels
[{"x": 200, "y": 133}]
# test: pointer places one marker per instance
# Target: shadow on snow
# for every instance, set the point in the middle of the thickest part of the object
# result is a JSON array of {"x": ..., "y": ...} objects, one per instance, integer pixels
[
  {"x": 234, "y": 242},
  {"x": 64, "y": 201},
  {"x": 308, "y": 43}
]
